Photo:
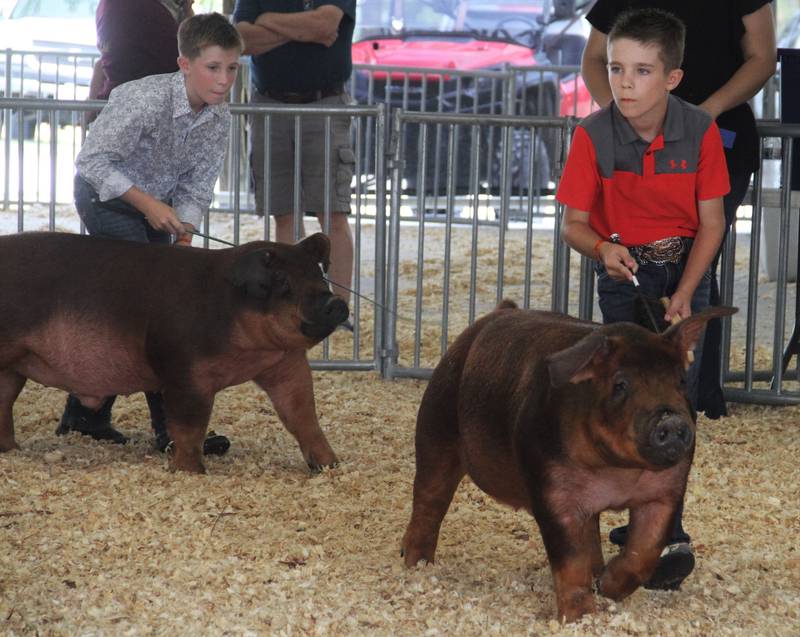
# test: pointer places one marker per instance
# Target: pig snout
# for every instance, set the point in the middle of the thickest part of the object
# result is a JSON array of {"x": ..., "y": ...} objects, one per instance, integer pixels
[
  {"x": 326, "y": 312},
  {"x": 669, "y": 440}
]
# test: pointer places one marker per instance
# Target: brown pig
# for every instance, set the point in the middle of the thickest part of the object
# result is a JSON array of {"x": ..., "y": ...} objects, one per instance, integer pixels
[
  {"x": 566, "y": 419},
  {"x": 100, "y": 317}
]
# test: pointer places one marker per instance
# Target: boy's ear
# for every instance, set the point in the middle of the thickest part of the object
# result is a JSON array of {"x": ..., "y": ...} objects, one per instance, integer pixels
[
  {"x": 183, "y": 63},
  {"x": 674, "y": 78}
]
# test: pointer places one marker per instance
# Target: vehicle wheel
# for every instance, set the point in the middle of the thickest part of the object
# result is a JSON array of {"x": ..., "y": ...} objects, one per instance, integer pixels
[
  {"x": 520, "y": 164},
  {"x": 462, "y": 160},
  {"x": 543, "y": 107}
]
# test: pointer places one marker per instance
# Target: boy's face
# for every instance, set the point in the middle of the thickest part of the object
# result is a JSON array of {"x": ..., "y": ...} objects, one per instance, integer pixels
[
  {"x": 210, "y": 75},
  {"x": 639, "y": 82}
]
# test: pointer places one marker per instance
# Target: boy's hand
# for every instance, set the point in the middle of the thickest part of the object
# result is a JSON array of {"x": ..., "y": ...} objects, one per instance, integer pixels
[
  {"x": 619, "y": 263},
  {"x": 162, "y": 217},
  {"x": 186, "y": 238},
  {"x": 680, "y": 306}
]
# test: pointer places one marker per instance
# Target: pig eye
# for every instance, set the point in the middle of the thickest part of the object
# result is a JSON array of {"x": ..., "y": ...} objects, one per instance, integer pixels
[{"x": 620, "y": 389}]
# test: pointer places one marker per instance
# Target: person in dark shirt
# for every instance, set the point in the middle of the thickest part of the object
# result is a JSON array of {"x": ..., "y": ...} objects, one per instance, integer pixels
[
  {"x": 730, "y": 54},
  {"x": 136, "y": 39},
  {"x": 301, "y": 55}
]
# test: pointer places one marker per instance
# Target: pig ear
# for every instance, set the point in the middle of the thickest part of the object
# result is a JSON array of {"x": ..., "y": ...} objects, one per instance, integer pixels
[
  {"x": 576, "y": 363},
  {"x": 251, "y": 274},
  {"x": 318, "y": 246},
  {"x": 687, "y": 332}
]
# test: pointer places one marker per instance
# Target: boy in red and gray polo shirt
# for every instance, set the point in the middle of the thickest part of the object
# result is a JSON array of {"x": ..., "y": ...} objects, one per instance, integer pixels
[{"x": 643, "y": 187}]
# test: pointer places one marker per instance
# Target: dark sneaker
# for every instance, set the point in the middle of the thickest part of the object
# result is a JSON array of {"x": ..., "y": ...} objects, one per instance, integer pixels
[
  {"x": 674, "y": 566},
  {"x": 78, "y": 418},
  {"x": 619, "y": 535},
  {"x": 213, "y": 445}
]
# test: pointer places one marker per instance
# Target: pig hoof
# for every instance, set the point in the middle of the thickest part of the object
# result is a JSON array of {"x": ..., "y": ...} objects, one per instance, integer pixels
[
  {"x": 317, "y": 467},
  {"x": 188, "y": 468},
  {"x": 8, "y": 446},
  {"x": 414, "y": 557},
  {"x": 579, "y": 604}
]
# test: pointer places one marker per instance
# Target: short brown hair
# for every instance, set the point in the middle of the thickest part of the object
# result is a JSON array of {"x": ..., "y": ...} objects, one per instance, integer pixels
[
  {"x": 207, "y": 29},
  {"x": 653, "y": 26}
]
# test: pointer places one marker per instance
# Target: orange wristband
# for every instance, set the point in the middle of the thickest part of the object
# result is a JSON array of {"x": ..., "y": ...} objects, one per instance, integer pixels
[{"x": 597, "y": 248}]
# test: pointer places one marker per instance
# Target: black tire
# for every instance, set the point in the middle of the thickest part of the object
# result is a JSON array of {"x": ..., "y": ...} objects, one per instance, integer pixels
[{"x": 520, "y": 163}]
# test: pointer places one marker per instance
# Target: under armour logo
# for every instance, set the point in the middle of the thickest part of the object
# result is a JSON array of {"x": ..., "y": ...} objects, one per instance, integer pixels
[{"x": 674, "y": 164}]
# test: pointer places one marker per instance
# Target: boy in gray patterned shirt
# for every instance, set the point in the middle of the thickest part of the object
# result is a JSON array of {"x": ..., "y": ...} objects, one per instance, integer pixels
[{"x": 147, "y": 169}]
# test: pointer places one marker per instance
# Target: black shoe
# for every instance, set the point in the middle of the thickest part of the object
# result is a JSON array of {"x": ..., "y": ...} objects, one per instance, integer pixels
[
  {"x": 619, "y": 535},
  {"x": 78, "y": 418},
  {"x": 674, "y": 566},
  {"x": 213, "y": 445}
]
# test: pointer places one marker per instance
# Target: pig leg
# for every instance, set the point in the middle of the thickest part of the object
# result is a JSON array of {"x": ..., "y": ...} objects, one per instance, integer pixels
[
  {"x": 648, "y": 530},
  {"x": 291, "y": 390},
  {"x": 573, "y": 556},
  {"x": 439, "y": 472},
  {"x": 187, "y": 421},
  {"x": 11, "y": 385}
]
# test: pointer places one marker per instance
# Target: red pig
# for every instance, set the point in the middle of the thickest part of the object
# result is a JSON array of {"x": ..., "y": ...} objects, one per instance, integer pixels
[
  {"x": 101, "y": 317},
  {"x": 566, "y": 419}
]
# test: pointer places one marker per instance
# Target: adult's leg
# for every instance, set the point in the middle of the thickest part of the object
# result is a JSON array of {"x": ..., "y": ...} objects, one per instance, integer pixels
[
  {"x": 331, "y": 205},
  {"x": 710, "y": 398},
  {"x": 341, "y": 270}
]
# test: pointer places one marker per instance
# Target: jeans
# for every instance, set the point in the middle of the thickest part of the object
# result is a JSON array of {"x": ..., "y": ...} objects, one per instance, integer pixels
[
  {"x": 113, "y": 219},
  {"x": 616, "y": 300}
]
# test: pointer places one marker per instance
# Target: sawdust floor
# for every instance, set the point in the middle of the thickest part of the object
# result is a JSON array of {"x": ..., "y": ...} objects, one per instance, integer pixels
[
  {"x": 97, "y": 539},
  {"x": 101, "y": 540}
]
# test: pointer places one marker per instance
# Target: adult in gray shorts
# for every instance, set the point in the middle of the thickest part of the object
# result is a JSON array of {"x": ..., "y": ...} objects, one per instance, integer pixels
[{"x": 302, "y": 58}]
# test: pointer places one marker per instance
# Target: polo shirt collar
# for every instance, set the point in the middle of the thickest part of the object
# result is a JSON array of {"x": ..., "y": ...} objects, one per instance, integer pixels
[
  {"x": 673, "y": 123},
  {"x": 180, "y": 101}
]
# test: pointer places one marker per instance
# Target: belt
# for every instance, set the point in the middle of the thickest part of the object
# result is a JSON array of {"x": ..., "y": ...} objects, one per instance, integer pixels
[
  {"x": 305, "y": 97},
  {"x": 669, "y": 250}
]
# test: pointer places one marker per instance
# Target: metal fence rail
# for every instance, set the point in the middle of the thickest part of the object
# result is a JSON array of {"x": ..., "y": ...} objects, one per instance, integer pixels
[
  {"x": 51, "y": 166},
  {"x": 446, "y": 253},
  {"x": 757, "y": 344}
]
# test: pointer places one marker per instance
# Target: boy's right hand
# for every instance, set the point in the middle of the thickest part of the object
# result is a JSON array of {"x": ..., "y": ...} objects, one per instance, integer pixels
[
  {"x": 162, "y": 217},
  {"x": 619, "y": 263}
]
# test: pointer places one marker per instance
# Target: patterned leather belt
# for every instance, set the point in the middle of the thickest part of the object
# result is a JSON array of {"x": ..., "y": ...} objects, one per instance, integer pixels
[
  {"x": 305, "y": 97},
  {"x": 669, "y": 250}
]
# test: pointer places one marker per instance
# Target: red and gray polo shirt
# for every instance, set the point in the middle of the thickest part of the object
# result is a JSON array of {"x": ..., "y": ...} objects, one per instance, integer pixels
[{"x": 639, "y": 190}]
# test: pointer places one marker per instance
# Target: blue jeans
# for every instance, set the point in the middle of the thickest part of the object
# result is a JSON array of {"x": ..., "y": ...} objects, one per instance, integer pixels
[
  {"x": 617, "y": 299},
  {"x": 113, "y": 219}
]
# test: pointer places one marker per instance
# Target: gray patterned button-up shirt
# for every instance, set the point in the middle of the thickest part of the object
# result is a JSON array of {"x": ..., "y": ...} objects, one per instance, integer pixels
[{"x": 148, "y": 136}]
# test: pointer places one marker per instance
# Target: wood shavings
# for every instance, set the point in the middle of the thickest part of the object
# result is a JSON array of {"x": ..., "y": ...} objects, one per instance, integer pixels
[{"x": 104, "y": 541}]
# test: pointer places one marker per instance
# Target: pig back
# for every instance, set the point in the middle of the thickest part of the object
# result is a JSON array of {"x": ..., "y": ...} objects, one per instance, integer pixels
[
  {"x": 504, "y": 375},
  {"x": 107, "y": 281}
]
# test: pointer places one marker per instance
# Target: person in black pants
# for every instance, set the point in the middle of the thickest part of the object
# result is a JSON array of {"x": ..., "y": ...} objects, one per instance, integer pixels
[
  {"x": 729, "y": 54},
  {"x": 147, "y": 169}
]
